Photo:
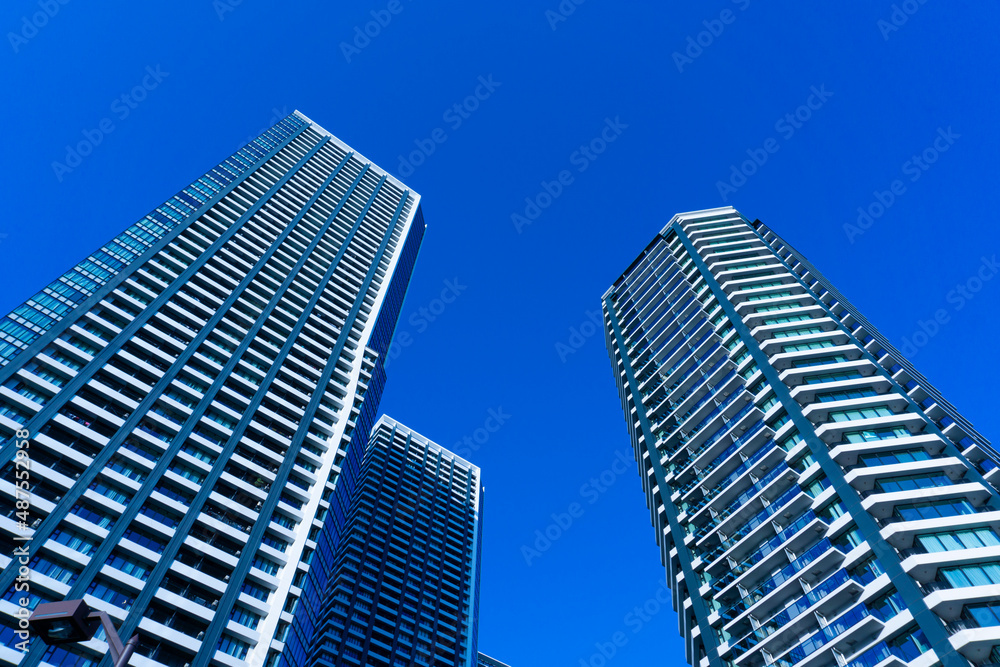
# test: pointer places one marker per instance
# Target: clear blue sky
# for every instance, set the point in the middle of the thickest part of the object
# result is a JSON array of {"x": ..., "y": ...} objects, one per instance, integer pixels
[{"x": 885, "y": 93}]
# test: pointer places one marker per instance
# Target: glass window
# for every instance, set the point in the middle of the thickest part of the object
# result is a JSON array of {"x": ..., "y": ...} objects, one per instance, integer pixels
[
  {"x": 912, "y": 482},
  {"x": 982, "y": 574},
  {"x": 955, "y": 540},
  {"x": 933, "y": 510},
  {"x": 871, "y": 435}
]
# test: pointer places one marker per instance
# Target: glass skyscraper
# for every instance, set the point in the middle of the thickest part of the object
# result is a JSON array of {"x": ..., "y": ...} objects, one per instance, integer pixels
[
  {"x": 405, "y": 582},
  {"x": 816, "y": 501},
  {"x": 193, "y": 394},
  {"x": 487, "y": 661}
]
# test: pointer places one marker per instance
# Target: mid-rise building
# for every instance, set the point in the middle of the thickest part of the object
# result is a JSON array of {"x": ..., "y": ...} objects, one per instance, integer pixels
[
  {"x": 816, "y": 501},
  {"x": 404, "y": 588},
  {"x": 194, "y": 392}
]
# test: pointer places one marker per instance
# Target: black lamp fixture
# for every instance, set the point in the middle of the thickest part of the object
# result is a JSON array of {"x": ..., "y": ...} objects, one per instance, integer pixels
[{"x": 72, "y": 621}]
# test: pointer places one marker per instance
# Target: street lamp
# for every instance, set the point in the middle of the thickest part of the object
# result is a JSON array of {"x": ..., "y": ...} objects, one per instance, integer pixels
[{"x": 72, "y": 621}]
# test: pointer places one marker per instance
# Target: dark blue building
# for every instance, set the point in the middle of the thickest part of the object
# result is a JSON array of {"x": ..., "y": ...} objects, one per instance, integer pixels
[{"x": 404, "y": 585}]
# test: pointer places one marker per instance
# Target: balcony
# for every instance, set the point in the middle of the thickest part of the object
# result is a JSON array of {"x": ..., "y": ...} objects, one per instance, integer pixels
[
  {"x": 794, "y": 537},
  {"x": 792, "y": 377},
  {"x": 834, "y": 592},
  {"x": 774, "y": 346},
  {"x": 858, "y": 623},
  {"x": 863, "y": 478},
  {"x": 847, "y": 453},
  {"x": 806, "y": 393},
  {"x": 834, "y": 431},
  {"x": 881, "y": 505},
  {"x": 973, "y": 641},
  {"x": 820, "y": 556}
]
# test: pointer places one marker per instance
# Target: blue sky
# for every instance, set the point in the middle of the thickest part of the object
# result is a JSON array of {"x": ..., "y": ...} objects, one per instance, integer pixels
[{"x": 867, "y": 91}]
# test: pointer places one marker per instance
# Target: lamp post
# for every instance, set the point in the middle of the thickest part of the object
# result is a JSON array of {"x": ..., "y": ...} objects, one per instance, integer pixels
[{"x": 72, "y": 621}]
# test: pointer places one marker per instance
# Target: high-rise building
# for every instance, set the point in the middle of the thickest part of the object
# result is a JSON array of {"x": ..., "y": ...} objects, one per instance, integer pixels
[
  {"x": 404, "y": 588},
  {"x": 816, "y": 501},
  {"x": 192, "y": 394},
  {"x": 487, "y": 661}
]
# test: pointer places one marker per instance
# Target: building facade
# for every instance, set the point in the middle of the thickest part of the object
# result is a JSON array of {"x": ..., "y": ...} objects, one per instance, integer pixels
[
  {"x": 487, "y": 661},
  {"x": 816, "y": 501},
  {"x": 405, "y": 582},
  {"x": 192, "y": 394}
]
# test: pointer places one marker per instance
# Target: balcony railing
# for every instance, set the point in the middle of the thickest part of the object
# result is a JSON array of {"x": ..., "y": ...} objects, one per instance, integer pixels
[
  {"x": 762, "y": 516},
  {"x": 828, "y": 633},
  {"x": 779, "y": 577},
  {"x": 792, "y": 611},
  {"x": 767, "y": 548},
  {"x": 743, "y": 467}
]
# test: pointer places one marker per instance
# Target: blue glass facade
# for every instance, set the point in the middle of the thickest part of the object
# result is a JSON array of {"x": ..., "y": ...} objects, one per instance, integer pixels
[{"x": 404, "y": 589}]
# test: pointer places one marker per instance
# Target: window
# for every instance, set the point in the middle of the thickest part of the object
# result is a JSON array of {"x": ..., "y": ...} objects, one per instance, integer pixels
[
  {"x": 982, "y": 574},
  {"x": 831, "y": 377},
  {"x": 811, "y": 345},
  {"x": 910, "y": 644},
  {"x": 786, "y": 319},
  {"x": 912, "y": 482},
  {"x": 867, "y": 571},
  {"x": 933, "y": 510},
  {"x": 955, "y": 540},
  {"x": 801, "y": 331},
  {"x": 73, "y": 540},
  {"x": 245, "y": 617},
  {"x": 773, "y": 295},
  {"x": 845, "y": 395},
  {"x": 819, "y": 361},
  {"x": 790, "y": 441},
  {"x": 816, "y": 487},
  {"x": 761, "y": 285},
  {"x": 871, "y": 435},
  {"x": 234, "y": 647},
  {"x": 850, "y": 539},
  {"x": 129, "y": 566},
  {"x": 889, "y": 458},
  {"x": 860, "y": 413}
]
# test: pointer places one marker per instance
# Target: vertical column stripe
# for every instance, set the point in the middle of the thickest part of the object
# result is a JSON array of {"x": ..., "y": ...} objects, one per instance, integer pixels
[
  {"x": 212, "y": 635},
  {"x": 929, "y": 622}
]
